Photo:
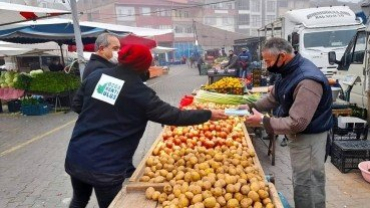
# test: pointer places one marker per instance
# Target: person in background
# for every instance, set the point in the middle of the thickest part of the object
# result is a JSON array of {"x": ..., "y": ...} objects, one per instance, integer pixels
[
  {"x": 114, "y": 107},
  {"x": 245, "y": 59},
  {"x": 233, "y": 62},
  {"x": 200, "y": 62},
  {"x": 55, "y": 65},
  {"x": 105, "y": 56},
  {"x": 303, "y": 98}
]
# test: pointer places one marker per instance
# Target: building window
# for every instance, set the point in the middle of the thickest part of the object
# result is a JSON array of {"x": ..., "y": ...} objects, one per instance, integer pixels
[
  {"x": 125, "y": 13},
  {"x": 145, "y": 11},
  {"x": 271, "y": 6},
  {"x": 244, "y": 4},
  {"x": 270, "y": 18},
  {"x": 244, "y": 19},
  {"x": 189, "y": 29},
  {"x": 147, "y": 26},
  {"x": 210, "y": 20},
  {"x": 255, "y": 6},
  {"x": 179, "y": 29},
  {"x": 256, "y": 20}
]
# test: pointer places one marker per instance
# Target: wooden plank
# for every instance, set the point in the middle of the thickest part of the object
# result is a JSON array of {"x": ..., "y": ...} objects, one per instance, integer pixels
[
  {"x": 273, "y": 192},
  {"x": 133, "y": 199},
  {"x": 140, "y": 168},
  {"x": 275, "y": 196},
  {"x": 142, "y": 186},
  {"x": 250, "y": 145}
]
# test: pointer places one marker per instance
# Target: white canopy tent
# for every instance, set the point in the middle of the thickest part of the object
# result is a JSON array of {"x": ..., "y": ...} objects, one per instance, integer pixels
[
  {"x": 13, "y": 13},
  {"x": 10, "y": 51},
  {"x": 161, "y": 49}
]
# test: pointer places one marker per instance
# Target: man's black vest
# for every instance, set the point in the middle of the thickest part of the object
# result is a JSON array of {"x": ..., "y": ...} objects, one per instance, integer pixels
[{"x": 293, "y": 73}]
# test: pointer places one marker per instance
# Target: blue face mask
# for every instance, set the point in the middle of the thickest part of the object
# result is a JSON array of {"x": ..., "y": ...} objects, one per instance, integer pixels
[{"x": 274, "y": 68}]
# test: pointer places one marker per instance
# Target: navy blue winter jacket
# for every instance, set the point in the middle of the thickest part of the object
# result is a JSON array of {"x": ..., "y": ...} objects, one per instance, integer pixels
[{"x": 106, "y": 136}]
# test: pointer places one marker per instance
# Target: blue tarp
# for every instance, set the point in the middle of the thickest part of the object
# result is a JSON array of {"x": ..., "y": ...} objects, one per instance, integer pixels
[{"x": 61, "y": 33}]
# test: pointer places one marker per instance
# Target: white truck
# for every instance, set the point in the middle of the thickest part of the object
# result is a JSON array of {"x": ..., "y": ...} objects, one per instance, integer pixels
[
  {"x": 353, "y": 66},
  {"x": 314, "y": 32}
]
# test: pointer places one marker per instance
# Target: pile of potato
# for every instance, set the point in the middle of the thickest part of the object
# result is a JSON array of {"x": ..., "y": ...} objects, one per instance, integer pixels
[{"x": 200, "y": 177}]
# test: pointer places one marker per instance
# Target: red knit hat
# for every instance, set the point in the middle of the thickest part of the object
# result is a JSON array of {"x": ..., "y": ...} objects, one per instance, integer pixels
[{"x": 137, "y": 57}]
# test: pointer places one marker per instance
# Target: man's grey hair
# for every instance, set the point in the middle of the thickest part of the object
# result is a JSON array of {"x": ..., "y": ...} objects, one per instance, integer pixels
[
  {"x": 278, "y": 45},
  {"x": 102, "y": 40}
]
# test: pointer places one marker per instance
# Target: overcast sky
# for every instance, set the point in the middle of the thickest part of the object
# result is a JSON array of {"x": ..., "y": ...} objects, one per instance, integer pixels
[{"x": 353, "y": 1}]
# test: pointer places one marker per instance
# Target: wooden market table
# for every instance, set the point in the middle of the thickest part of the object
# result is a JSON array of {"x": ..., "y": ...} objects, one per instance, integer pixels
[{"x": 133, "y": 194}]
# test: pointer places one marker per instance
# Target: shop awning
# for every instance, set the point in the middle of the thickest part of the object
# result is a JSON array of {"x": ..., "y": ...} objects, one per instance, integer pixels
[{"x": 15, "y": 13}]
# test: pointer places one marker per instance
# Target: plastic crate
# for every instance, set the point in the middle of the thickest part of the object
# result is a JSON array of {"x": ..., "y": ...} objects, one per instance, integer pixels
[
  {"x": 346, "y": 155},
  {"x": 35, "y": 110},
  {"x": 14, "y": 106},
  {"x": 349, "y": 128}
]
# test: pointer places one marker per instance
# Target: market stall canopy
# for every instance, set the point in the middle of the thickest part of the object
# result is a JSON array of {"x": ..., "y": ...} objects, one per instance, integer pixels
[
  {"x": 10, "y": 51},
  {"x": 57, "y": 30},
  {"x": 14, "y": 13},
  {"x": 160, "y": 49},
  {"x": 126, "y": 40}
]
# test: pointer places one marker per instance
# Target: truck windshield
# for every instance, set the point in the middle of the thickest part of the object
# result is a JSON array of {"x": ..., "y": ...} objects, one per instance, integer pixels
[{"x": 328, "y": 39}]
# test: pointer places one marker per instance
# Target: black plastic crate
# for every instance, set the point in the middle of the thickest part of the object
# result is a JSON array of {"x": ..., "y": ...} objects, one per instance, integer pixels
[
  {"x": 350, "y": 132},
  {"x": 346, "y": 155},
  {"x": 14, "y": 106}
]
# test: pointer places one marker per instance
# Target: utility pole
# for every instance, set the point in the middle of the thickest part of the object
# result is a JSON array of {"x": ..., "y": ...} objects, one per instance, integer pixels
[{"x": 77, "y": 32}]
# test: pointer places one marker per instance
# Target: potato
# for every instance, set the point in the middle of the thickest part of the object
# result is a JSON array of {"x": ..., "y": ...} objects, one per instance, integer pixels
[
  {"x": 145, "y": 179},
  {"x": 255, "y": 186},
  {"x": 237, "y": 187},
  {"x": 149, "y": 192},
  {"x": 187, "y": 177},
  {"x": 239, "y": 196},
  {"x": 210, "y": 202},
  {"x": 270, "y": 205},
  {"x": 254, "y": 196},
  {"x": 197, "y": 198},
  {"x": 246, "y": 202},
  {"x": 199, "y": 205},
  {"x": 195, "y": 176},
  {"x": 162, "y": 197},
  {"x": 184, "y": 187},
  {"x": 207, "y": 185},
  {"x": 167, "y": 189},
  {"x": 206, "y": 194},
  {"x": 177, "y": 192},
  {"x": 180, "y": 175},
  {"x": 221, "y": 200},
  {"x": 163, "y": 172},
  {"x": 217, "y": 191},
  {"x": 266, "y": 201},
  {"x": 245, "y": 189},
  {"x": 263, "y": 194},
  {"x": 183, "y": 202},
  {"x": 169, "y": 176},
  {"x": 228, "y": 196},
  {"x": 233, "y": 203},
  {"x": 159, "y": 179},
  {"x": 230, "y": 188},
  {"x": 150, "y": 161},
  {"x": 257, "y": 205},
  {"x": 195, "y": 189},
  {"x": 170, "y": 197},
  {"x": 155, "y": 195}
]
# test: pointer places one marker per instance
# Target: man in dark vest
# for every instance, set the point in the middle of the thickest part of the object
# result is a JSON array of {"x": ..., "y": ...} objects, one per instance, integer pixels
[{"x": 303, "y": 97}]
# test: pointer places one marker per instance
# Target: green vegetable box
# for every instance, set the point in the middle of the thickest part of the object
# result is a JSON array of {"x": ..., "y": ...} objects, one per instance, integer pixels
[{"x": 34, "y": 107}]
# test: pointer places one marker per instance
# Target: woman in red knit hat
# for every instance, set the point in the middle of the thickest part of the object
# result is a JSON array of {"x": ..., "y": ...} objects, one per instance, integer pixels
[{"x": 114, "y": 106}]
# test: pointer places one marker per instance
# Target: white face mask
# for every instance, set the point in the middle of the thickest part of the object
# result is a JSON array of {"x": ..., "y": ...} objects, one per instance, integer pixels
[{"x": 114, "y": 58}]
